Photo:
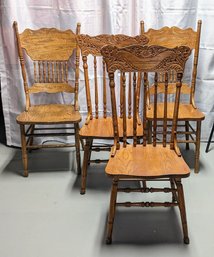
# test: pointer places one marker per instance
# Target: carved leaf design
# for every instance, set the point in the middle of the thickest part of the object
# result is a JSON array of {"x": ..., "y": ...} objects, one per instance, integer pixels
[
  {"x": 145, "y": 58},
  {"x": 93, "y": 45}
]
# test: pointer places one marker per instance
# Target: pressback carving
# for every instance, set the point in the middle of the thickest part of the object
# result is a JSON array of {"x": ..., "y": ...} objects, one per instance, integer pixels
[
  {"x": 93, "y": 45},
  {"x": 48, "y": 44},
  {"x": 145, "y": 58}
]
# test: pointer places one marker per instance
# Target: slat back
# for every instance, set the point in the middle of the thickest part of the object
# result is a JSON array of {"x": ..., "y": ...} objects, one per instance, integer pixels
[
  {"x": 91, "y": 46},
  {"x": 50, "y": 50},
  {"x": 145, "y": 59}
]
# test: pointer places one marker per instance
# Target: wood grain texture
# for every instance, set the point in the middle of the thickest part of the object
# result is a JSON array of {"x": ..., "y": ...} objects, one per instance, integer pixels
[
  {"x": 95, "y": 128},
  {"x": 145, "y": 58},
  {"x": 147, "y": 162},
  {"x": 93, "y": 44},
  {"x": 186, "y": 112},
  {"x": 51, "y": 88},
  {"x": 185, "y": 89},
  {"x": 48, "y": 43},
  {"x": 49, "y": 114},
  {"x": 172, "y": 37}
]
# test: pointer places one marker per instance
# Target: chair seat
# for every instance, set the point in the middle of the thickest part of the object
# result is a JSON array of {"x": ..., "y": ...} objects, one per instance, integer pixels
[
  {"x": 148, "y": 162},
  {"x": 49, "y": 114},
  {"x": 103, "y": 128},
  {"x": 186, "y": 112}
]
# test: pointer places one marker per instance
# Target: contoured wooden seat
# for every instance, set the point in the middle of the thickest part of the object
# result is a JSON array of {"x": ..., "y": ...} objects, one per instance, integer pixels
[
  {"x": 142, "y": 161},
  {"x": 98, "y": 124},
  {"x": 49, "y": 51},
  {"x": 188, "y": 112}
]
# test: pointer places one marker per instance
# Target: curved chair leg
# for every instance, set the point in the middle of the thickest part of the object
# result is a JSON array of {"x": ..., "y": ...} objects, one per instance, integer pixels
[
  {"x": 197, "y": 146},
  {"x": 77, "y": 144},
  {"x": 24, "y": 150},
  {"x": 112, "y": 209},
  {"x": 210, "y": 139},
  {"x": 181, "y": 204},
  {"x": 187, "y": 135},
  {"x": 85, "y": 166}
]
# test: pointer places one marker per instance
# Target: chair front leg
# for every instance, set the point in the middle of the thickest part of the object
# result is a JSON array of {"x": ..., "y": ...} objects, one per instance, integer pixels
[
  {"x": 85, "y": 166},
  {"x": 77, "y": 144},
  {"x": 24, "y": 150},
  {"x": 112, "y": 210},
  {"x": 197, "y": 146},
  {"x": 187, "y": 135},
  {"x": 181, "y": 204}
]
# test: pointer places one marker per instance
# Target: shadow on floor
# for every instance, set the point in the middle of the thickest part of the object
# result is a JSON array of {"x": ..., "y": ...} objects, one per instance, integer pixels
[
  {"x": 50, "y": 160},
  {"x": 145, "y": 227}
]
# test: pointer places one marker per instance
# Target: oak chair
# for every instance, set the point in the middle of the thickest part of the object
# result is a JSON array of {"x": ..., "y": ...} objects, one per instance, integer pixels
[
  {"x": 98, "y": 124},
  {"x": 48, "y": 52},
  {"x": 146, "y": 162},
  {"x": 188, "y": 112}
]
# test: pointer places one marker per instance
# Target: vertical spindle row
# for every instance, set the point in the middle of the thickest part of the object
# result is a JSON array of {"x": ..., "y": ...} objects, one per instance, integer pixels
[
  {"x": 145, "y": 92},
  {"x": 130, "y": 96}
]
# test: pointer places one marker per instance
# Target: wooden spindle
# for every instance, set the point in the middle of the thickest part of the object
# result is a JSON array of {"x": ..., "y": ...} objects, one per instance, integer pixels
[
  {"x": 130, "y": 96},
  {"x": 35, "y": 72},
  {"x": 121, "y": 96},
  {"x": 104, "y": 91},
  {"x": 44, "y": 72},
  {"x": 114, "y": 110},
  {"x": 124, "y": 110},
  {"x": 134, "y": 110},
  {"x": 66, "y": 72},
  {"x": 87, "y": 87},
  {"x": 62, "y": 72},
  {"x": 176, "y": 109},
  {"x": 165, "y": 110},
  {"x": 76, "y": 103},
  {"x": 40, "y": 72},
  {"x": 53, "y": 72},
  {"x": 145, "y": 91},
  {"x": 48, "y": 65},
  {"x": 155, "y": 111},
  {"x": 96, "y": 87},
  {"x": 57, "y": 71}
]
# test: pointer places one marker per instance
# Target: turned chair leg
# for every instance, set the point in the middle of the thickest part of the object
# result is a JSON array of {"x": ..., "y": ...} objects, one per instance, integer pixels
[
  {"x": 187, "y": 135},
  {"x": 181, "y": 204},
  {"x": 31, "y": 138},
  {"x": 77, "y": 144},
  {"x": 85, "y": 166},
  {"x": 197, "y": 145},
  {"x": 90, "y": 150},
  {"x": 24, "y": 150},
  {"x": 174, "y": 196},
  {"x": 112, "y": 210},
  {"x": 210, "y": 139}
]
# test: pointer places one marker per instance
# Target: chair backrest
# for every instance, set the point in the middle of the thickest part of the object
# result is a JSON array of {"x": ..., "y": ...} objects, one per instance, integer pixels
[
  {"x": 174, "y": 36},
  {"x": 145, "y": 59},
  {"x": 50, "y": 50},
  {"x": 91, "y": 46}
]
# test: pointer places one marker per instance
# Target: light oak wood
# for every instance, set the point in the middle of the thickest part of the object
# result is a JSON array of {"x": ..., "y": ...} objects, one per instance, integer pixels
[
  {"x": 142, "y": 162},
  {"x": 172, "y": 37},
  {"x": 49, "y": 49},
  {"x": 98, "y": 125}
]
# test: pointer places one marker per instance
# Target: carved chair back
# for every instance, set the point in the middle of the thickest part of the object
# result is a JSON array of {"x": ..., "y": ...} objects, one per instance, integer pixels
[
  {"x": 146, "y": 60},
  {"x": 171, "y": 37},
  {"x": 91, "y": 46},
  {"x": 50, "y": 50}
]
